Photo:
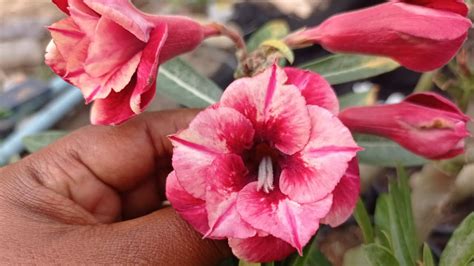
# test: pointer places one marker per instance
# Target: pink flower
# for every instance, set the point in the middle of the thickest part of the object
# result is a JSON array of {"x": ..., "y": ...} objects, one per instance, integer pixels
[
  {"x": 266, "y": 165},
  {"x": 111, "y": 51},
  {"x": 424, "y": 123},
  {"x": 421, "y": 35}
]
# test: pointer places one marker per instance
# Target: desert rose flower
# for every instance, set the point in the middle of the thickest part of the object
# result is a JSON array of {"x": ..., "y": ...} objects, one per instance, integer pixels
[
  {"x": 424, "y": 123},
  {"x": 421, "y": 35},
  {"x": 266, "y": 165},
  {"x": 111, "y": 51}
]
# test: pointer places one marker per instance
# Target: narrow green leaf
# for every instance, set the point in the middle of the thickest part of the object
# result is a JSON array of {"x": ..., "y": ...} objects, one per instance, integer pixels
[
  {"x": 358, "y": 99},
  {"x": 379, "y": 255},
  {"x": 356, "y": 257},
  {"x": 460, "y": 248},
  {"x": 363, "y": 220},
  {"x": 342, "y": 68},
  {"x": 282, "y": 48},
  {"x": 384, "y": 152},
  {"x": 38, "y": 141},
  {"x": 311, "y": 256},
  {"x": 179, "y": 81},
  {"x": 427, "y": 256},
  {"x": 245, "y": 263},
  {"x": 382, "y": 222},
  {"x": 272, "y": 30}
]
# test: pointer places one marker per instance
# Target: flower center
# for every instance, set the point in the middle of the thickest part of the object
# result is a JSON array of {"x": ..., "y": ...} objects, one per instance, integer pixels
[{"x": 265, "y": 175}]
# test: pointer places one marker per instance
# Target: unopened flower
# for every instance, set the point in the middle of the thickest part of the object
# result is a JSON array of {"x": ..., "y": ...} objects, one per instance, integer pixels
[
  {"x": 111, "y": 51},
  {"x": 266, "y": 165},
  {"x": 421, "y": 35},
  {"x": 424, "y": 123}
]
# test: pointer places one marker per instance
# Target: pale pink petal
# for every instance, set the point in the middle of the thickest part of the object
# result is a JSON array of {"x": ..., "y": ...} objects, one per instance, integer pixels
[
  {"x": 344, "y": 196},
  {"x": 212, "y": 132},
  {"x": 227, "y": 177},
  {"x": 62, "y": 4},
  {"x": 55, "y": 60},
  {"x": 314, "y": 88},
  {"x": 277, "y": 111},
  {"x": 281, "y": 217},
  {"x": 260, "y": 249},
  {"x": 148, "y": 67},
  {"x": 111, "y": 47},
  {"x": 314, "y": 172},
  {"x": 124, "y": 14},
  {"x": 189, "y": 208}
]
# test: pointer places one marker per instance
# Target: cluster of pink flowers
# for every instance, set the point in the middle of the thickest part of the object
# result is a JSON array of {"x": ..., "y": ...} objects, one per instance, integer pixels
[{"x": 274, "y": 158}]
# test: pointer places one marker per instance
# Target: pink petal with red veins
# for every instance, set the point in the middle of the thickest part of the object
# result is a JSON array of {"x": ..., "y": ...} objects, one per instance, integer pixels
[
  {"x": 260, "y": 249},
  {"x": 277, "y": 111},
  {"x": 211, "y": 133},
  {"x": 125, "y": 14},
  {"x": 55, "y": 60},
  {"x": 191, "y": 209},
  {"x": 228, "y": 176},
  {"x": 62, "y": 4},
  {"x": 148, "y": 67},
  {"x": 111, "y": 47},
  {"x": 344, "y": 196},
  {"x": 314, "y": 172},
  {"x": 281, "y": 217},
  {"x": 85, "y": 18},
  {"x": 314, "y": 88}
]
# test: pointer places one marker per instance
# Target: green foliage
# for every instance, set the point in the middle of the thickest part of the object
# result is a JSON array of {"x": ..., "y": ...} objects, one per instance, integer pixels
[
  {"x": 427, "y": 256},
  {"x": 342, "y": 68},
  {"x": 38, "y": 141},
  {"x": 460, "y": 248},
  {"x": 379, "y": 255},
  {"x": 272, "y": 30},
  {"x": 179, "y": 81},
  {"x": 384, "y": 152},
  {"x": 358, "y": 99},
  {"x": 311, "y": 256},
  {"x": 363, "y": 219}
]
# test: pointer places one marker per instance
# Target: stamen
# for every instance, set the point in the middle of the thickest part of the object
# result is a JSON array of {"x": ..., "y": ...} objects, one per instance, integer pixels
[{"x": 265, "y": 175}]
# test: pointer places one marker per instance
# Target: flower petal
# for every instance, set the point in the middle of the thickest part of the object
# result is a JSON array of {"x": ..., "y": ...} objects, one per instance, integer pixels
[
  {"x": 277, "y": 111},
  {"x": 189, "y": 208},
  {"x": 85, "y": 18},
  {"x": 344, "y": 196},
  {"x": 124, "y": 14},
  {"x": 213, "y": 131},
  {"x": 281, "y": 217},
  {"x": 456, "y": 6},
  {"x": 111, "y": 47},
  {"x": 314, "y": 172},
  {"x": 260, "y": 249},
  {"x": 62, "y": 4},
  {"x": 148, "y": 67},
  {"x": 314, "y": 88},
  {"x": 228, "y": 176},
  {"x": 55, "y": 60}
]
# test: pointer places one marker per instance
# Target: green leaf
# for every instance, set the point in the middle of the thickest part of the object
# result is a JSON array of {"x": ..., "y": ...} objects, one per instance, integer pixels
[
  {"x": 311, "y": 256},
  {"x": 358, "y": 99},
  {"x": 356, "y": 257},
  {"x": 460, "y": 248},
  {"x": 179, "y": 81},
  {"x": 342, "y": 68},
  {"x": 384, "y": 152},
  {"x": 402, "y": 227},
  {"x": 379, "y": 255},
  {"x": 272, "y": 30},
  {"x": 38, "y": 141},
  {"x": 427, "y": 256},
  {"x": 245, "y": 263},
  {"x": 382, "y": 221},
  {"x": 362, "y": 218}
]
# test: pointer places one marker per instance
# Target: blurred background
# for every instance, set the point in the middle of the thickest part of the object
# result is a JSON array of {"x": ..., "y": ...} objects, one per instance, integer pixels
[{"x": 32, "y": 99}]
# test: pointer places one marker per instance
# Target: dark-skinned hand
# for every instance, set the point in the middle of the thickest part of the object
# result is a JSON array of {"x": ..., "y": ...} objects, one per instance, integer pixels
[{"x": 95, "y": 197}]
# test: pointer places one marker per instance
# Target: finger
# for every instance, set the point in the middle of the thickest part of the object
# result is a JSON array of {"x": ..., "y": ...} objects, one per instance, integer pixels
[{"x": 161, "y": 238}]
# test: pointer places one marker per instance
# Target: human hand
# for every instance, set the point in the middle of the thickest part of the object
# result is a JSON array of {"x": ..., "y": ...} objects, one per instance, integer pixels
[{"x": 96, "y": 196}]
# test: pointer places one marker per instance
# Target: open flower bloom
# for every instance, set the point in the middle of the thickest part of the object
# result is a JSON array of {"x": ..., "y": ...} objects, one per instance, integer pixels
[
  {"x": 111, "y": 51},
  {"x": 424, "y": 123},
  {"x": 264, "y": 166},
  {"x": 421, "y": 35}
]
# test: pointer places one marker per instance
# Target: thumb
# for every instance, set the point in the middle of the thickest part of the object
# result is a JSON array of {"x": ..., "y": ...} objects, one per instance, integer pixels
[{"x": 159, "y": 238}]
